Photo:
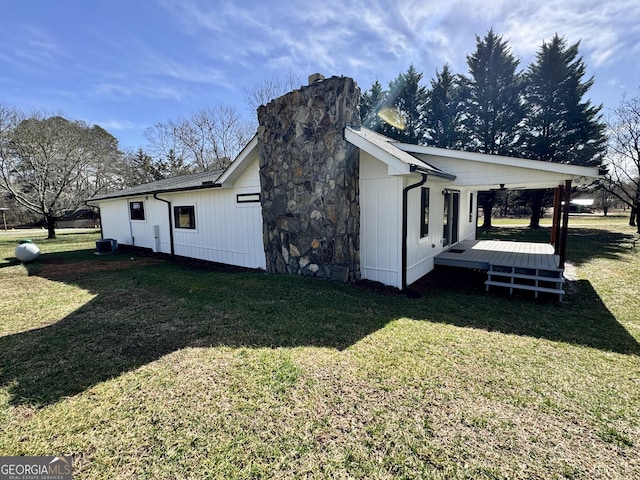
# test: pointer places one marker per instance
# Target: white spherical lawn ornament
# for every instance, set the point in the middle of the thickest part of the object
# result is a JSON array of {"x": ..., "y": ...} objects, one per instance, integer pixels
[{"x": 27, "y": 252}]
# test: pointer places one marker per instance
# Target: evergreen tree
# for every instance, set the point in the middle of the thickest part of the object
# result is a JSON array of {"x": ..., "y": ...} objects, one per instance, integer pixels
[
  {"x": 494, "y": 100},
  {"x": 145, "y": 169},
  {"x": 443, "y": 112},
  {"x": 494, "y": 107},
  {"x": 173, "y": 165},
  {"x": 561, "y": 126},
  {"x": 407, "y": 98},
  {"x": 139, "y": 168},
  {"x": 398, "y": 111},
  {"x": 371, "y": 102}
]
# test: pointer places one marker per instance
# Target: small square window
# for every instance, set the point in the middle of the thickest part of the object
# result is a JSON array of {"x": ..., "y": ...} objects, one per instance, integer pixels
[
  {"x": 424, "y": 213},
  {"x": 185, "y": 217},
  {"x": 136, "y": 210}
]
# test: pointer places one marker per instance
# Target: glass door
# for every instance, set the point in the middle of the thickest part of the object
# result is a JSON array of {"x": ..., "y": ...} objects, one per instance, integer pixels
[{"x": 451, "y": 217}]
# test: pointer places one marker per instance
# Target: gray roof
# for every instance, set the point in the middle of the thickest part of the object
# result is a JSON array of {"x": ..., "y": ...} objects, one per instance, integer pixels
[{"x": 192, "y": 181}]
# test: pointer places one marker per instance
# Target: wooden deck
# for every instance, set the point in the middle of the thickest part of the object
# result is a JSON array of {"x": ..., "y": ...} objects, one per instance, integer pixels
[
  {"x": 481, "y": 254},
  {"x": 513, "y": 265}
]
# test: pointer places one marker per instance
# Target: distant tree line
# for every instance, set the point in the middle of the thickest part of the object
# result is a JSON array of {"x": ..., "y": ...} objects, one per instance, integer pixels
[
  {"x": 207, "y": 140},
  {"x": 540, "y": 112},
  {"x": 49, "y": 166}
]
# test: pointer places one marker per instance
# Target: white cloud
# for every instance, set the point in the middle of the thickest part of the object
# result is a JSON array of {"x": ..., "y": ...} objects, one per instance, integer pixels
[
  {"x": 34, "y": 49},
  {"x": 192, "y": 71},
  {"x": 137, "y": 89},
  {"x": 232, "y": 44},
  {"x": 40, "y": 40},
  {"x": 601, "y": 27},
  {"x": 118, "y": 125}
]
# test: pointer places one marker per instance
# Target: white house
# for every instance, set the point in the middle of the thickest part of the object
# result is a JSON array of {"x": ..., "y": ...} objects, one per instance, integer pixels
[
  {"x": 405, "y": 204},
  {"x": 214, "y": 216}
]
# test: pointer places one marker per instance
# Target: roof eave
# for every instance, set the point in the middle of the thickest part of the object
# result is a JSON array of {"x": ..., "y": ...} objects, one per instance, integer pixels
[
  {"x": 561, "y": 168},
  {"x": 234, "y": 170},
  {"x": 155, "y": 192},
  {"x": 432, "y": 173},
  {"x": 396, "y": 166}
]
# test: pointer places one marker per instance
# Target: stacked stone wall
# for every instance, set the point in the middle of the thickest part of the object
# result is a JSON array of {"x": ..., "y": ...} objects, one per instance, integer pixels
[{"x": 309, "y": 181}]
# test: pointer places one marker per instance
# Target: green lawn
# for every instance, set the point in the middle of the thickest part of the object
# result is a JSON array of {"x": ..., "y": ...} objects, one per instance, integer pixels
[{"x": 143, "y": 368}]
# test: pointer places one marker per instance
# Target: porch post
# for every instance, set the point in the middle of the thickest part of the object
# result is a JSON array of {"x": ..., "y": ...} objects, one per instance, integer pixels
[
  {"x": 555, "y": 226},
  {"x": 565, "y": 223}
]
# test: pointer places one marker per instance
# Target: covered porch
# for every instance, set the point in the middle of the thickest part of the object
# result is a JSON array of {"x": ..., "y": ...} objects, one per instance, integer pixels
[
  {"x": 511, "y": 265},
  {"x": 536, "y": 267}
]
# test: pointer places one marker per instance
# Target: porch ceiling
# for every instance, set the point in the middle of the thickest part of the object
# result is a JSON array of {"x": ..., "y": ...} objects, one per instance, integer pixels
[
  {"x": 487, "y": 176},
  {"x": 484, "y": 172}
]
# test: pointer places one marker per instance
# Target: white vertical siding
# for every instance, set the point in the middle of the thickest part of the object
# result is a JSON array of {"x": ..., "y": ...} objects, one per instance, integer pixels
[
  {"x": 117, "y": 224},
  {"x": 156, "y": 213},
  {"x": 468, "y": 228},
  {"x": 421, "y": 251},
  {"x": 114, "y": 218},
  {"x": 250, "y": 178},
  {"x": 380, "y": 223},
  {"x": 226, "y": 231}
]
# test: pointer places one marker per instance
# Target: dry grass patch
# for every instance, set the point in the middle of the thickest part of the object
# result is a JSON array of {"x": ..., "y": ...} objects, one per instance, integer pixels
[{"x": 42, "y": 302}]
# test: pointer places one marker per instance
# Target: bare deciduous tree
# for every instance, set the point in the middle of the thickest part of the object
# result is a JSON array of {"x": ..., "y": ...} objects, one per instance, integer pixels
[
  {"x": 50, "y": 166},
  {"x": 208, "y": 140},
  {"x": 623, "y": 175},
  {"x": 270, "y": 88},
  {"x": 10, "y": 118}
]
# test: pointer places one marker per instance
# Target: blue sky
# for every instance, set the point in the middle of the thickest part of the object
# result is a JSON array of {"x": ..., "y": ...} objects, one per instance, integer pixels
[{"x": 126, "y": 65}]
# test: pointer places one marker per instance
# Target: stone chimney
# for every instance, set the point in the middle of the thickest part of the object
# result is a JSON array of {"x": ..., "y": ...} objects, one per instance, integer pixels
[
  {"x": 309, "y": 180},
  {"x": 315, "y": 77}
]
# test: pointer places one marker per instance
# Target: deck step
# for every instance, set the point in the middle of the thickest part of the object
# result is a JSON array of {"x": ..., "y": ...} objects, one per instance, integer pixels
[
  {"x": 524, "y": 276},
  {"x": 537, "y": 280},
  {"x": 533, "y": 288},
  {"x": 550, "y": 272}
]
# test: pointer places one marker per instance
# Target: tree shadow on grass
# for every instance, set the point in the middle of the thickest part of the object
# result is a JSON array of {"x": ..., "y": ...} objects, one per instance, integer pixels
[
  {"x": 581, "y": 319},
  {"x": 144, "y": 311}
]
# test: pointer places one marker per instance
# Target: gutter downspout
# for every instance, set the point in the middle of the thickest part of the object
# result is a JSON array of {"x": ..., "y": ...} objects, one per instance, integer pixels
[
  {"x": 405, "y": 202},
  {"x": 155, "y": 195}
]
